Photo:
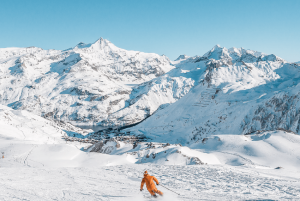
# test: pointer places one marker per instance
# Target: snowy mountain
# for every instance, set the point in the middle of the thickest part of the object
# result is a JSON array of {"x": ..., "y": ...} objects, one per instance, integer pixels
[
  {"x": 238, "y": 100},
  {"x": 181, "y": 57},
  {"x": 94, "y": 83},
  {"x": 239, "y": 92},
  {"x": 24, "y": 126}
]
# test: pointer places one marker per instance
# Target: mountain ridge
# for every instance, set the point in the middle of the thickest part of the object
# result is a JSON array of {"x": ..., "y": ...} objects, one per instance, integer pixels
[{"x": 95, "y": 78}]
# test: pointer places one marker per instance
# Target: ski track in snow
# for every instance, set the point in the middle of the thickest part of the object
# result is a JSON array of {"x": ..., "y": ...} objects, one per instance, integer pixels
[{"x": 123, "y": 183}]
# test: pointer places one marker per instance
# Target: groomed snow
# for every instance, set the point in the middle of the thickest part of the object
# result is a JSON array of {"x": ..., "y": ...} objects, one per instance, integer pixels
[{"x": 123, "y": 183}]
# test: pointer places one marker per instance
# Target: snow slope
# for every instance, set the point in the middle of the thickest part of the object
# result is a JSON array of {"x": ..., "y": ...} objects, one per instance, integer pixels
[
  {"x": 32, "y": 141},
  {"x": 266, "y": 150},
  {"x": 122, "y": 183}
]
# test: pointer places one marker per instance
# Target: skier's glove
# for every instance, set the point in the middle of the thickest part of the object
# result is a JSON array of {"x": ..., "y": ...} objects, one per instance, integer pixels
[
  {"x": 141, "y": 189},
  {"x": 158, "y": 184}
]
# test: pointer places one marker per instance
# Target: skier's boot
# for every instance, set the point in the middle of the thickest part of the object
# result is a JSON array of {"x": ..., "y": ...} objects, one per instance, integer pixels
[{"x": 155, "y": 196}]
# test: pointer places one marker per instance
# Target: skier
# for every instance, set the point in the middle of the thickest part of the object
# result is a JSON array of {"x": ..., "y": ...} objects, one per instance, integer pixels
[{"x": 150, "y": 184}]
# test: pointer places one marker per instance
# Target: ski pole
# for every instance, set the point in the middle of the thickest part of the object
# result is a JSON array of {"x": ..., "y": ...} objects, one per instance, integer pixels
[{"x": 169, "y": 189}]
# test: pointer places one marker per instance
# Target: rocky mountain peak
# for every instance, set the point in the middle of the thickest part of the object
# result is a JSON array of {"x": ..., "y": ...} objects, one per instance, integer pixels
[
  {"x": 101, "y": 43},
  {"x": 233, "y": 55},
  {"x": 98, "y": 45},
  {"x": 217, "y": 53},
  {"x": 183, "y": 56}
]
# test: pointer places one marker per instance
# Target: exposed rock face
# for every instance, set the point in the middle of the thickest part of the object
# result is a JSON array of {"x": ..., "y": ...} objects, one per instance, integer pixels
[
  {"x": 279, "y": 112},
  {"x": 105, "y": 147},
  {"x": 182, "y": 57}
]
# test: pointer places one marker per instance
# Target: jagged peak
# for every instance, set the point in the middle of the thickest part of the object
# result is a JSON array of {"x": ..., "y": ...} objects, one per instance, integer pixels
[
  {"x": 101, "y": 40},
  {"x": 82, "y": 45},
  {"x": 217, "y": 52},
  {"x": 242, "y": 51},
  {"x": 235, "y": 54},
  {"x": 217, "y": 46},
  {"x": 183, "y": 56},
  {"x": 99, "y": 44}
]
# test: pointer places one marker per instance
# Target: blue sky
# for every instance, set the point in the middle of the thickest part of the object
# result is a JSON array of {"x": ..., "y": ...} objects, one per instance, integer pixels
[{"x": 172, "y": 27}]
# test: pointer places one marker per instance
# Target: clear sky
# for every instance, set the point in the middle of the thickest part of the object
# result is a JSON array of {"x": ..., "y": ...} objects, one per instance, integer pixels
[{"x": 169, "y": 27}]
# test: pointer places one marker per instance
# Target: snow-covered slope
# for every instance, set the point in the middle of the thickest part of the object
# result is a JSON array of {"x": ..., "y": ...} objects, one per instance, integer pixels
[
  {"x": 27, "y": 140},
  {"x": 94, "y": 83},
  {"x": 25, "y": 126},
  {"x": 121, "y": 183}
]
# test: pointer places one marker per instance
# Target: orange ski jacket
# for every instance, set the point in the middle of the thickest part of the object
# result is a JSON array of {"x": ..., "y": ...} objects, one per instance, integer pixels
[{"x": 149, "y": 182}]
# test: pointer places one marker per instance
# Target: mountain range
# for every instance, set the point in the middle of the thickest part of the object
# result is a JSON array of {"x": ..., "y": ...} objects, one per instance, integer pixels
[
  {"x": 230, "y": 106},
  {"x": 240, "y": 91}
]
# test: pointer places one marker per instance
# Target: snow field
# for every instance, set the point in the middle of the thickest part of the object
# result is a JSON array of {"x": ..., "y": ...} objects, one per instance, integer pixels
[{"x": 106, "y": 183}]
